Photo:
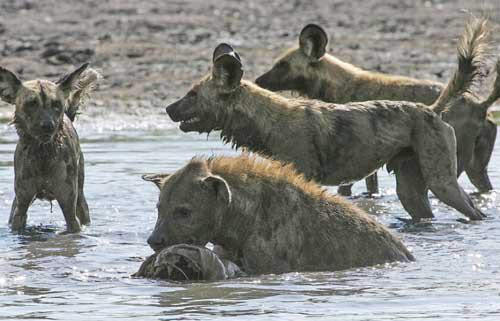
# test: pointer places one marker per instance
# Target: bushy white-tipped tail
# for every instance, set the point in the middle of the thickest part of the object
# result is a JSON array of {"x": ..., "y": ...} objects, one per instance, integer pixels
[{"x": 471, "y": 48}]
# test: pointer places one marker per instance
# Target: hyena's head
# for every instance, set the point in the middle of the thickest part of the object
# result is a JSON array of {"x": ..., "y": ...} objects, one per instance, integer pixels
[
  {"x": 292, "y": 70},
  {"x": 190, "y": 206},
  {"x": 202, "y": 108},
  {"x": 40, "y": 104}
]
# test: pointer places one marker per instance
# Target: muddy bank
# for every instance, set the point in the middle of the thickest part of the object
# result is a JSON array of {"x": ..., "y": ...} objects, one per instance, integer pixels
[{"x": 153, "y": 50}]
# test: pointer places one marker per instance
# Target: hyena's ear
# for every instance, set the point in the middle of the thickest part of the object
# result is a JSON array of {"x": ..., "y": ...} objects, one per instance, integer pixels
[
  {"x": 313, "y": 40},
  {"x": 157, "y": 179},
  {"x": 9, "y": 85},
  {"x": 220, "y": 187},
  {"x": 227, "y": 71}
]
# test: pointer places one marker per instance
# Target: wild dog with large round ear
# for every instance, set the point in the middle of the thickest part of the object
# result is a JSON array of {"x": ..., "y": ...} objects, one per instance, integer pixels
[
  {"x": 332, "y": 80},
  {"x": 313, "y": 41},
  {"x": 48, "y": 162},
  {"x": 336, "y": 144}
]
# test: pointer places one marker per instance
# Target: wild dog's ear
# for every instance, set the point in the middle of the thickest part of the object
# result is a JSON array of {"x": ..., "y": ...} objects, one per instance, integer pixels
[
  {"x": 224, "y": 48},
  {"x": 227, "y": 71},
  {"x": 69, "y": 82},
  {"x": 313, "y": 40},
  {"x": 9, "y": 85},
  {"x": 157, "y": 179},
  {"x": 219, "y": 186}
]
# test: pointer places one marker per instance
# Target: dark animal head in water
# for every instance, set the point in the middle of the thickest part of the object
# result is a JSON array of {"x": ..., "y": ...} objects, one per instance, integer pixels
[
  {"x": 41, "y": 104},
  {"x": 184, "y": 262},
  {"x": 190, "y": 204}
]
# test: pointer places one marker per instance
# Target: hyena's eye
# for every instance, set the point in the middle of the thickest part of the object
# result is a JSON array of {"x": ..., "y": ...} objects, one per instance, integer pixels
[
  {"x": 182, "y": 213},
  {"x": 192, "y": 93}
]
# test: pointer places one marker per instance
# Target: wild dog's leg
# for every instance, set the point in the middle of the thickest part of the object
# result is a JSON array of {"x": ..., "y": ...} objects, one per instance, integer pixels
[
  {"x": 82, "y": 209},
  {"x": 67, "y": 198},
  {"x": 12, "y": 209},
  {"x": 19, "y": 211},
  {"x": 372, "y": 184},
  {"x": 345, "y": 190},
  {"x": 477, "y": 170},
  {"x": 412, "y": 189},
  {"x": 435, "y": 146}
]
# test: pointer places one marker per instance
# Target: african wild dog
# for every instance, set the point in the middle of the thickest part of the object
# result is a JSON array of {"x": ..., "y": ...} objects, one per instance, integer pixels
[
  {"x": 267, "y": 217},
  {"x": 48, "y": 162},
  {"x": 312, "y": 72},
  {"x": 337, "y": 144}
]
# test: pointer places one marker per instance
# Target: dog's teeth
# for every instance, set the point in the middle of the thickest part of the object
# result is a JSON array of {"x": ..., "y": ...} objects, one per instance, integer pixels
[{"x": 192, "y": 120}]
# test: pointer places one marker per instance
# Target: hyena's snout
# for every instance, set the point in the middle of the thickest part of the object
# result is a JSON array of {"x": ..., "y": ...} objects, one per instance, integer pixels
[{"x": 156, "y": 242}]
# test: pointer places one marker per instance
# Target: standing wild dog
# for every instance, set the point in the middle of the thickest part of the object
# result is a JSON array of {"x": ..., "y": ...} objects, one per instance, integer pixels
[
  {"x": 336, "y": 144},
  {"x": 313, "y": 73},
  {"x": 48, "y": 162},
  {"x": 267, "y": 217}
]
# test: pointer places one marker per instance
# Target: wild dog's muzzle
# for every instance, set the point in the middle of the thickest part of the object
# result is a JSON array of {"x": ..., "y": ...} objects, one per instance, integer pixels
[{"x": 184, "y": 111}]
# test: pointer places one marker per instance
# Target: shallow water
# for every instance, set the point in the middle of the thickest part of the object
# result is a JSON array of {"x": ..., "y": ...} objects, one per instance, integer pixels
[{"x": 48, "y": 275}]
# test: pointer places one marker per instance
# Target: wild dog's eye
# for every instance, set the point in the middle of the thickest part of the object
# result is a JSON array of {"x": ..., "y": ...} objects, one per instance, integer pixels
[
  {"x": 282, "y": 65},
  {"x": 57, "y": 105},
  {"x": 182, "y": 213},
  {"x": 31, "y": 104},
  {"x": 192, "y": 93}
]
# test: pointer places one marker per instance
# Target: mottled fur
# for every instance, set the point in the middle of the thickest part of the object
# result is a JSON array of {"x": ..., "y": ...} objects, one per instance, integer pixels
[
  {"x": 275, "y": 221},
  {"x": 332, "y": 80},
  {"x": 48, "y": 162},
  {"x": 330, "y": 143}
]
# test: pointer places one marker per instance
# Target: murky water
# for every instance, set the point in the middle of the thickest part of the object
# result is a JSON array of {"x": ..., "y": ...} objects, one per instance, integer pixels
[{"x": 48, "y": 275}]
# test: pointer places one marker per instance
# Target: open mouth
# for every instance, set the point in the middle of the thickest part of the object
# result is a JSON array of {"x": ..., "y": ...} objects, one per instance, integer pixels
[{"x": 191, "y": 124}]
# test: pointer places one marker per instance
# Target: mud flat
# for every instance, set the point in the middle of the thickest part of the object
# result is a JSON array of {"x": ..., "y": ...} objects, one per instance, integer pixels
[{"x": 153, "y": 50}]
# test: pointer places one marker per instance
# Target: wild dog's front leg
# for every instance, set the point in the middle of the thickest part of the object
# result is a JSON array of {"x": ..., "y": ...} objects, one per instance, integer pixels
[
  {"x": 82, "y": 209},
  {"x": 412, "y": 190},
  {"x": 19, "y": 211},
  {"x": 67, "y": 198},
  {"x": 477, "y": 170}
]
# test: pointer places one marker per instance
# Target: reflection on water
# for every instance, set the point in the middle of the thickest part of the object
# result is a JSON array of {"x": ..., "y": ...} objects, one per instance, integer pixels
[{"x": 46, "y": 274}]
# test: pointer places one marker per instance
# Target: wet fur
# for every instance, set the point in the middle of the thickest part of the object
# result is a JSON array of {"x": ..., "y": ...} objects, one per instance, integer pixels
[
  {"x": 331, "y": 143},
  {"x": 49, "y": 168},
  {"x": 278, "y": 221},
  {"x": 332, "y": 80}
]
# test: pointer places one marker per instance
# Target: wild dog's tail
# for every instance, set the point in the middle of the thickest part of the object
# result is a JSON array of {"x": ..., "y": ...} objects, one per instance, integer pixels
[
  {"x": 471, "y": 47},
  {"x": 87, "y": 83},
  {"x": 495, "y": 94}
]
